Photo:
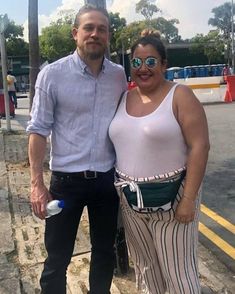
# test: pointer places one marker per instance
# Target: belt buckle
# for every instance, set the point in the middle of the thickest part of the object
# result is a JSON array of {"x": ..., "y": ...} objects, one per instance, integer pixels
[{"x": 88, "y": 174}]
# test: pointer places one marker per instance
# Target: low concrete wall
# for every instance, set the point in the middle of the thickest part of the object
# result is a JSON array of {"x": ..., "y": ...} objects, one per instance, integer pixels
[{"x": 206, "y": 89}]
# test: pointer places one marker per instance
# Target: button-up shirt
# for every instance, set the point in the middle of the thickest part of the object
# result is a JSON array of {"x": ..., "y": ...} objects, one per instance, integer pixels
[{"x": 75, "y": 109}]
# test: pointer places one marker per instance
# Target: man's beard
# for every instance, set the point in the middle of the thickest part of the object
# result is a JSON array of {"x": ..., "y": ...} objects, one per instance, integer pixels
[{"x": 93, "y": 55}]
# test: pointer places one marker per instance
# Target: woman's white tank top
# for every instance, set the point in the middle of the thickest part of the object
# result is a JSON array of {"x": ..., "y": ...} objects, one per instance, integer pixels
[{"x": 149, "y": 145}]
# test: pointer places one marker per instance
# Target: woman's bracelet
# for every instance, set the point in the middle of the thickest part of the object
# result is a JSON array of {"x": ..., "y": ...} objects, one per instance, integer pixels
[{"x": 188, "y": 198}]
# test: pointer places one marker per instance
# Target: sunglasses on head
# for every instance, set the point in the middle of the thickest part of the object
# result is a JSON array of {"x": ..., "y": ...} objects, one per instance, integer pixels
[{"x": 150, "y": 62}]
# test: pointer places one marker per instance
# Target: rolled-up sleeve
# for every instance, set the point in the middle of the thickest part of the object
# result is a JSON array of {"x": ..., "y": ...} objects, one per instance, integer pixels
[{"x": 44, "y": 101}]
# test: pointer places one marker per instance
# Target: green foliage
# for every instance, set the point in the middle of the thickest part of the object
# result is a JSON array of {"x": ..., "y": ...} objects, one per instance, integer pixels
[
  {"x": 56, "y": 41},
  {"x": 222, "y": 19},
  {"x": 13, "y": 31},
  {"x": 17, "y": 47},
  {"x": 132, "y": 32},
  {"x": 210, "y": 45},
  {"x": 167, "y": 28},
  {"x": 116, "y": 26},
  {"x": 15, "y": 44},
  {"x": 146, "y": 8}
]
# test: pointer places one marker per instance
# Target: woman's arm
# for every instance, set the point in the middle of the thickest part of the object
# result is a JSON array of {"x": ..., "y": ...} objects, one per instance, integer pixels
[{"x": 192, "y": 120}]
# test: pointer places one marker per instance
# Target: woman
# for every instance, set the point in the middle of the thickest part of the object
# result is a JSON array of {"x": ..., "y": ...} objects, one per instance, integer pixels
[{"x": 160, "y": 133}]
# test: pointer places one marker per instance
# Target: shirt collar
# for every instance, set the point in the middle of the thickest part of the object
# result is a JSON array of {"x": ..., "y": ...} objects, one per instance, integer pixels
[{"x": 77, "y": 59}]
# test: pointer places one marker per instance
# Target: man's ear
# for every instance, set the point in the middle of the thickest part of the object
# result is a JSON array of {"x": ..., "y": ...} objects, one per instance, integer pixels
[
  {"x": 74, "y": 33},
  {"x": 110, "y": 35}
]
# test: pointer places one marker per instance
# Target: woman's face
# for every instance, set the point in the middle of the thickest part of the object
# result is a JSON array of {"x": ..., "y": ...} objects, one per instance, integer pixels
[{"x": 149, "y": 72}]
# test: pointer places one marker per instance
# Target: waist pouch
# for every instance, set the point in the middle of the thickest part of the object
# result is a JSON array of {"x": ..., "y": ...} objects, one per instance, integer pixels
[{"x": 155, "y": 194}]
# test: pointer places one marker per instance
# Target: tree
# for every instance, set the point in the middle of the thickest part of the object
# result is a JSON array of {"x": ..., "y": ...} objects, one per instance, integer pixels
[
  {"x": 33, "y": 47},
  {"x": 116, "y": 26},
  {"x": 131, "y": 32},
  {"x": 15, "y": 44},
  {"x": 222, "y": 20},
  {"x": 147, "y": 9},
  {"x": 58, "y": 32},
  {"x": 13, "y": 30},
  {"x": 210, "y": 45},
  {"x": 17, "y": 47},
  {"x": 167, "y": 28}
]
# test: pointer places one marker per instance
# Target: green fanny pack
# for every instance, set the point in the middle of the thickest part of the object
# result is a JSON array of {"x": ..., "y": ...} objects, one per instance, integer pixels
[{"x": 155, "y": 194}]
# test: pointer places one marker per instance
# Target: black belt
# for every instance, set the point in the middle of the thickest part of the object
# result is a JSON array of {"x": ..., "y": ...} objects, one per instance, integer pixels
[{"x": 87, "y": 174}]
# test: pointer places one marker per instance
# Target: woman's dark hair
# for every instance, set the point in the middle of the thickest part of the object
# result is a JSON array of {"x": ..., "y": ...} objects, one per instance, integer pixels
[
  {"x": 87, "y": 8},
  {"x": 150, "y": 37}
]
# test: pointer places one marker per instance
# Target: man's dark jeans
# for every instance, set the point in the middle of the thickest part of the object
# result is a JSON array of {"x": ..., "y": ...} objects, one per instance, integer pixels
[
  {"x": 13, "y": 97},
  {"x": 100, "y": 197}
]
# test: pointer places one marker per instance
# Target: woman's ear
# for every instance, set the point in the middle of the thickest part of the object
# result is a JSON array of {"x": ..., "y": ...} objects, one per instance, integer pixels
[{"x": 164, "y": 65}]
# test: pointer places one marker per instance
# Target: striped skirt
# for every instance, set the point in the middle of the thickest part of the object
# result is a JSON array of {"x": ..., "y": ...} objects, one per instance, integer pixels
[{"x": 164, "y": 251}]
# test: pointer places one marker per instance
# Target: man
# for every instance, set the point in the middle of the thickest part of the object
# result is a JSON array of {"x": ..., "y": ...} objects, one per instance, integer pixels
[
  {"x": 11, "y": 81},
  {"x": 75, "y": 100},
  {"x": 226, "y": 71}
]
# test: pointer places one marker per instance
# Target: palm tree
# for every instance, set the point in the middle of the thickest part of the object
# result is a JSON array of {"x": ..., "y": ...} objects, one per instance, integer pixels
[{"x": 33, "y": 47}]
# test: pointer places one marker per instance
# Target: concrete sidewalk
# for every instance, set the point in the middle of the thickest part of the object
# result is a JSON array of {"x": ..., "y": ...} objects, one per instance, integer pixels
[{"x": 22, "y": 250}]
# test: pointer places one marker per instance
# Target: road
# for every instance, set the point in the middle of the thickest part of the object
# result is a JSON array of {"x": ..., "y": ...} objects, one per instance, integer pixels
[{"x": 218, "y": 203}]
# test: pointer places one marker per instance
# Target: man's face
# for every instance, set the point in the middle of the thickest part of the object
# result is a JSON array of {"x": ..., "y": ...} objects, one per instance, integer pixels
[{"x": 92, "y": 35}]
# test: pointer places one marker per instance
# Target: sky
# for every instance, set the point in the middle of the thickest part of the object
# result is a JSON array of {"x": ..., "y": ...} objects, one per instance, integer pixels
[{"x": 192, "y": 15}]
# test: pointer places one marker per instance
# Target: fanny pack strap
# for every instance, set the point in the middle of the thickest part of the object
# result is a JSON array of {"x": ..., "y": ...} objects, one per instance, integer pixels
[{"x": 134, "y": 187}]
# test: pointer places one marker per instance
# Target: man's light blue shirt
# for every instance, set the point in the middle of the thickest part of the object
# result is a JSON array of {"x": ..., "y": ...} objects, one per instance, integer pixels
[{"x": 75, "y": 109}]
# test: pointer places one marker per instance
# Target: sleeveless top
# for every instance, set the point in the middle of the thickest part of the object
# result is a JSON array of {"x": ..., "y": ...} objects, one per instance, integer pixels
[{"x": 148, "y": 145}]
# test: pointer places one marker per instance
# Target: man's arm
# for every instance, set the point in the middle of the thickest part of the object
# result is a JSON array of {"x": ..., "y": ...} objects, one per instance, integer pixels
[{"x": 39, "y": 193}]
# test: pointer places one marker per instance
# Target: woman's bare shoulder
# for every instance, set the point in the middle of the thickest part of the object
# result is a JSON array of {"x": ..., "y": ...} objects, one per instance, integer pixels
[{"x": 184, "y": 94}]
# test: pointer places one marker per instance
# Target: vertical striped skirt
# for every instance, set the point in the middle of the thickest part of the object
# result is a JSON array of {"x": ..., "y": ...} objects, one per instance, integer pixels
[{"x": 164, "y": 251}]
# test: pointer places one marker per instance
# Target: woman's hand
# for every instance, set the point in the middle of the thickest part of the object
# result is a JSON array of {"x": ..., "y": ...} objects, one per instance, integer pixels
[{"x": 185, "y": 211}]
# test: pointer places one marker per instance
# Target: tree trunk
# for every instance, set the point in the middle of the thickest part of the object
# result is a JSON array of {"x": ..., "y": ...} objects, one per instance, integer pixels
[
  {"x": 33, "y": 47},
  {"x": 97, "y": 3}
]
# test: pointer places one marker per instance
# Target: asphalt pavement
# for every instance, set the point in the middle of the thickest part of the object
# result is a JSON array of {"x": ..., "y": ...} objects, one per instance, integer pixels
[{"x": 21, "y": 234}]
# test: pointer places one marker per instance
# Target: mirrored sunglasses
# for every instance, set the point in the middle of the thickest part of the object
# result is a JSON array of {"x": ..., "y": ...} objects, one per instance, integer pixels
[{"x": 150, "y": 62}]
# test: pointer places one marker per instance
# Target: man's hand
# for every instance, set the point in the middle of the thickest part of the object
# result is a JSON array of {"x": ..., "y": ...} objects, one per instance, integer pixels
[
  {"x": 39, "y": 193},
  {"x": 185, "y": 211},
  {"x": 39, "y": 198}
]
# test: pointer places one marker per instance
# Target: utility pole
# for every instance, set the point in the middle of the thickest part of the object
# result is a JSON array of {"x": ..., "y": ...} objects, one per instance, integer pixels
[
  {"x": 33, "y": 47},
  {"x": 3, "y": 25}
]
